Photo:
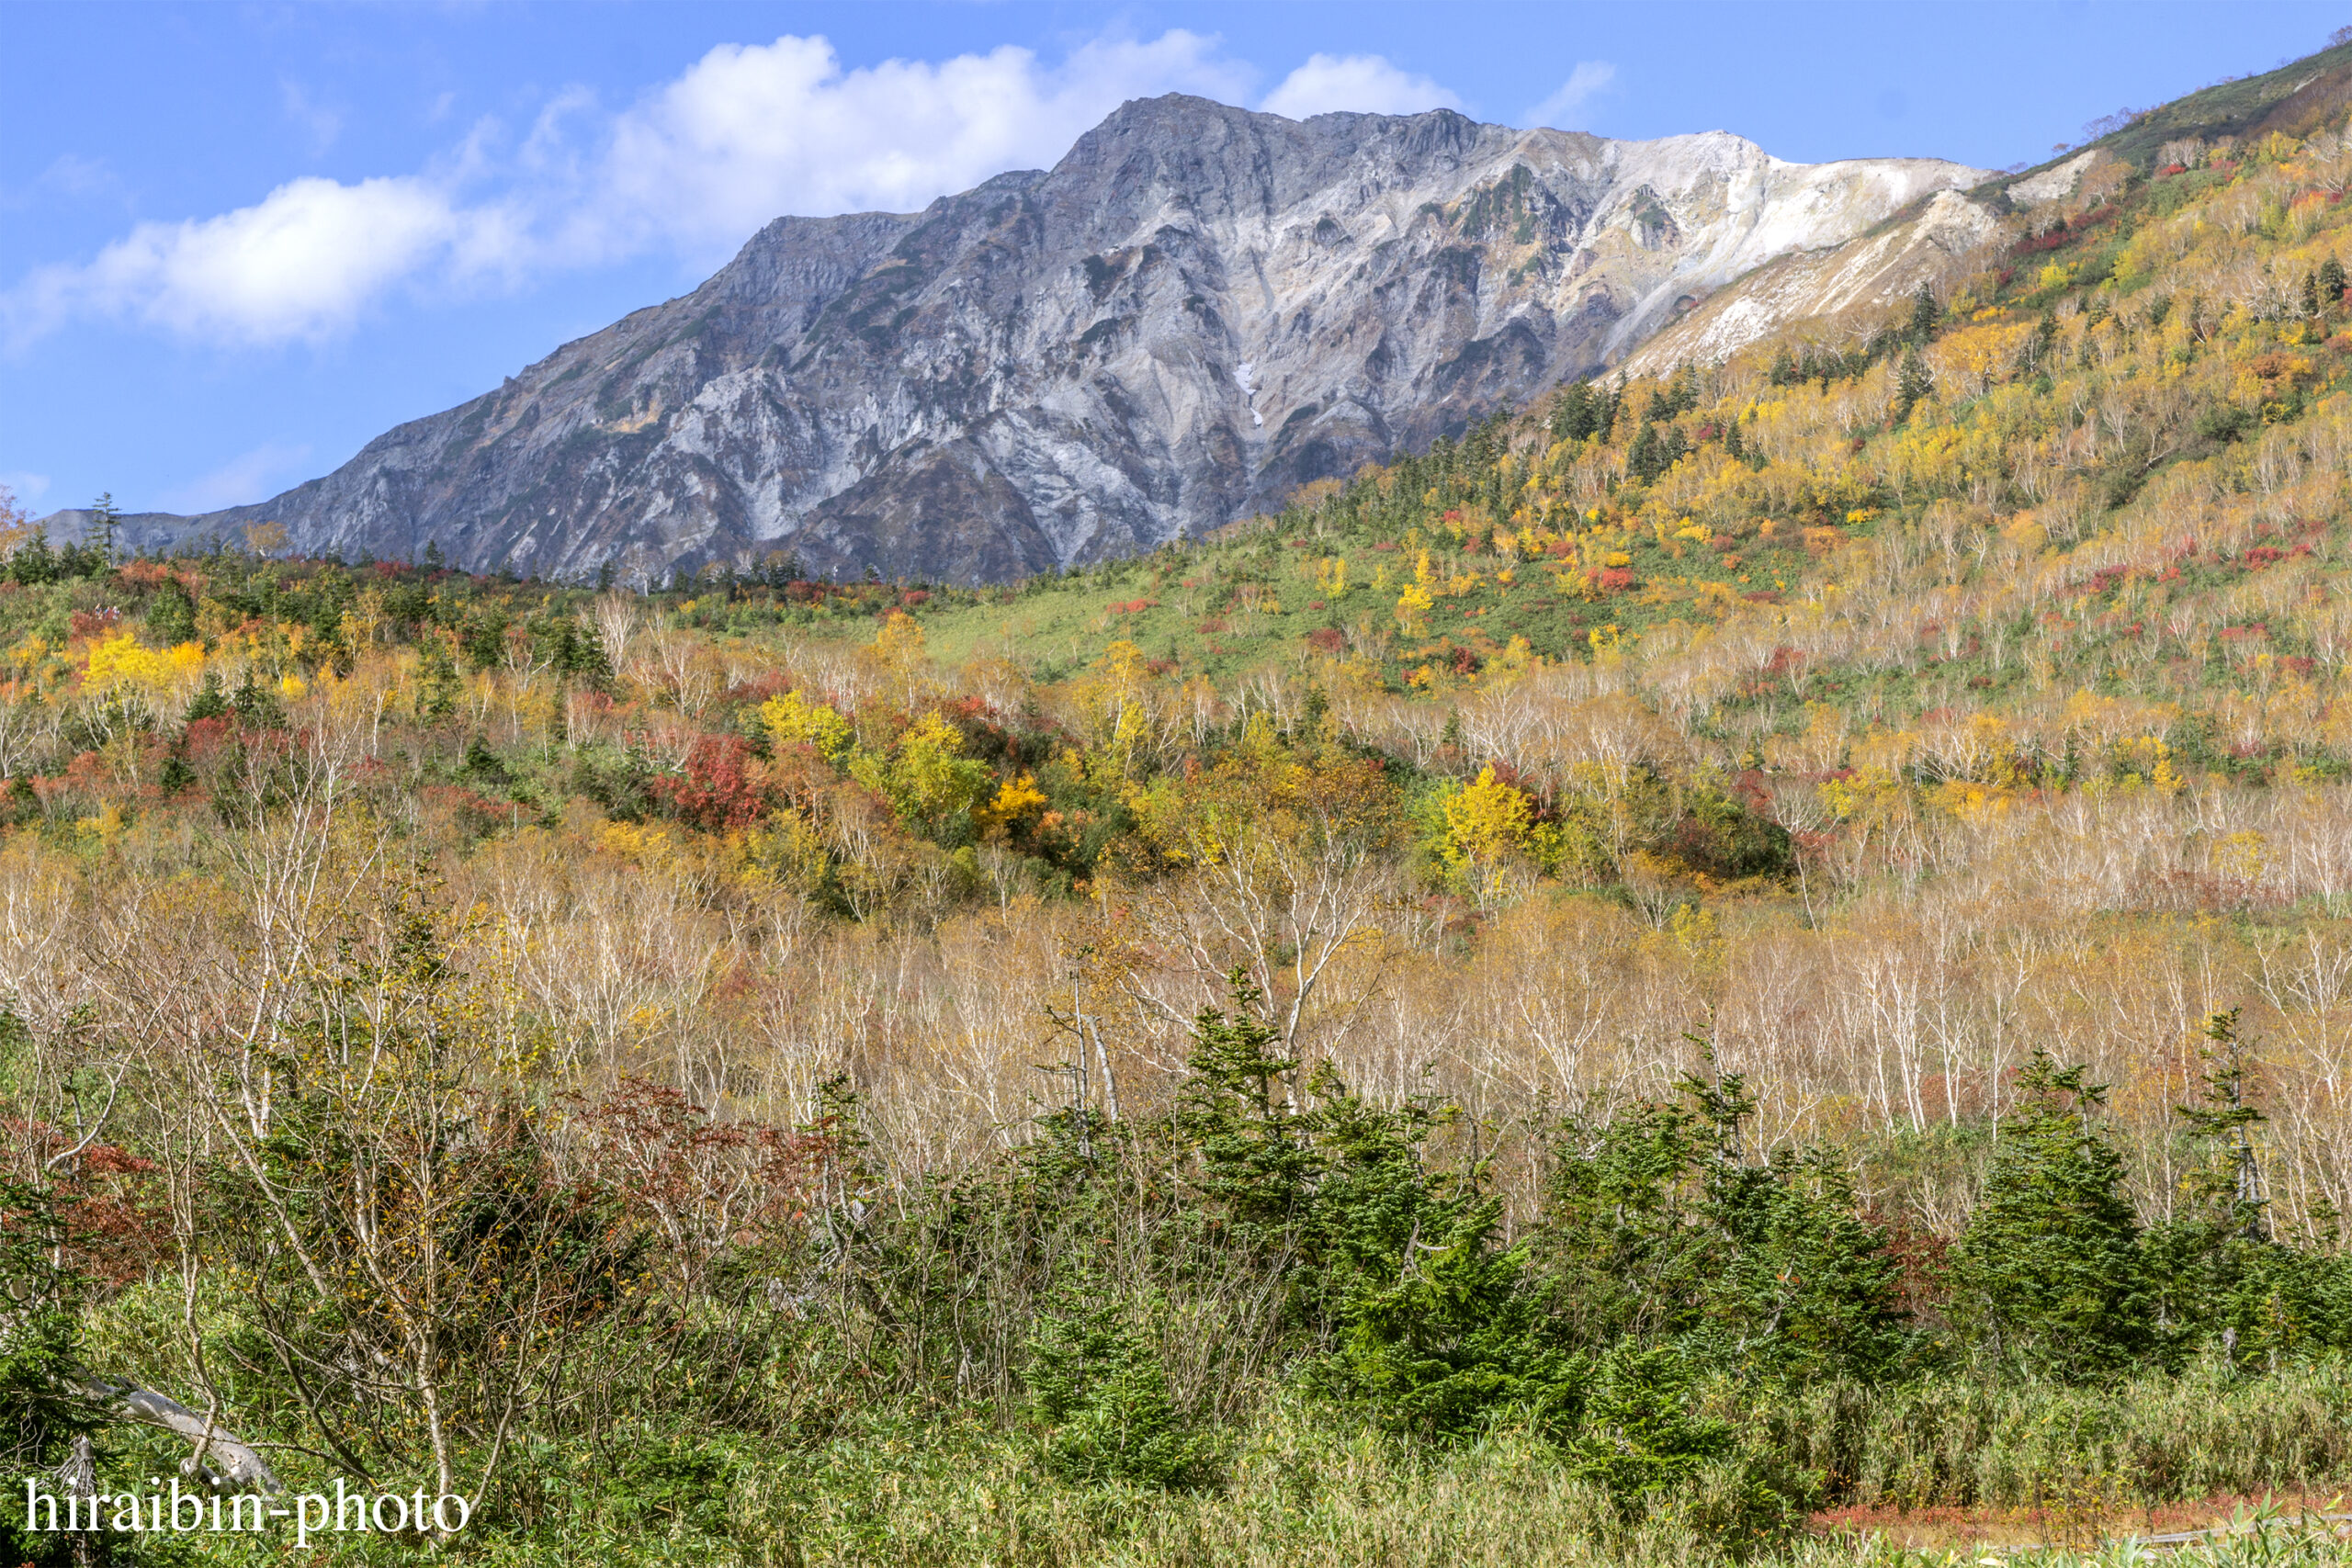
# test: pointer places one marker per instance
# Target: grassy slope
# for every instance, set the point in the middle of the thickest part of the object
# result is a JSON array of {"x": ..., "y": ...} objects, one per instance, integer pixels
[{"x": 1057, "y": 625}]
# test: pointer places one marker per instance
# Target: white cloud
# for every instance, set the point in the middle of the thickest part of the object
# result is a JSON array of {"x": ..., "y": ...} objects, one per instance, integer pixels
[
  {"x": 753, "y": 131},
  {"x": 1365, "y": 84},
  {"x": 302, "y": 264},
  {"x": 25, "y": 487},
  {"x": 252, "y": 476},
  {"x": 746, "y": 134},
  {"x": 1564, "y": 110}
]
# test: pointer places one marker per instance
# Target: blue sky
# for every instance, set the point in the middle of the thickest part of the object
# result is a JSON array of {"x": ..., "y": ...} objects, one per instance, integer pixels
[{"x": 239, "y": 240}]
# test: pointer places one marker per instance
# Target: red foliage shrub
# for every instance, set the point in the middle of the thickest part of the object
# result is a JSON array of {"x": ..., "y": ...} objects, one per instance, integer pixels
[
  {"x": 475, "y": 814},
  {"x": 716, "y": 790},
  {"x": 88, "y": 624},
  {"x": 744, "y": 693},
  {"x": 1613, "y": 578},
  {"x": 1325, "y": 639},
  {"x": 206, "y": 741},
  {"x": 701, "y": 1186}
]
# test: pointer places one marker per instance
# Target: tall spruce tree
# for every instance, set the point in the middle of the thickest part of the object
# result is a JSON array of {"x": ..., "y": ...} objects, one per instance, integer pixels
[
  {"x": 1646, "y": 458},
  {"x": 1925, "y": 314},
  {"x": 2224, "y": 1283},
  {"x": 98, "y": 534},
  {"x": 1242, "y": 1117},
  {"x": 2049, "y": 1276},
  {"x": 1913, "y": 385}
]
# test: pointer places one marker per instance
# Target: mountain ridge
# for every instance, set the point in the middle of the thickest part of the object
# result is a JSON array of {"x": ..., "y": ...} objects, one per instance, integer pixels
[{"x": 1196, "y": 309}]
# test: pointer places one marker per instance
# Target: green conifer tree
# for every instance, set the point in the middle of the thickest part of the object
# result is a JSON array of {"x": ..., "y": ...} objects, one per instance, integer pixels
[
  {"x": 171, "y": 614},
  {"x": 1645, "y": 459},
  {"x": 1240, "y": 1113},
  {"x": 209, "y": 701},
  {"x": 98, "y": 533},
  {"x": 1099, "y": 1387},
  {"x": 437, "y": 683},
  {"x": 1925, "y": 314},
  {"x": 2224, "y": 1283},
  {"x": 2049, "y": 1276},
  {"x": 1913, "y": 386}
]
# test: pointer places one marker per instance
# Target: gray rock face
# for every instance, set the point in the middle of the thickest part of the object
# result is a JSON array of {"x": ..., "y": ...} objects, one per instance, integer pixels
[{"x": 1195, "y": 312}]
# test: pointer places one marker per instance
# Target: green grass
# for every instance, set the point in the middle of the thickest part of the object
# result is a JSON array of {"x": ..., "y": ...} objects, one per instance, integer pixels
[
  {"x": 1058, "y": 626},
  {"x": 1299, "y": 1489}
]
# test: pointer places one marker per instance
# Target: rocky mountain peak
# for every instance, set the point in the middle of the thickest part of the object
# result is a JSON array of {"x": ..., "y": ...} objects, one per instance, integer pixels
[{"x": 1197, "y": 309}]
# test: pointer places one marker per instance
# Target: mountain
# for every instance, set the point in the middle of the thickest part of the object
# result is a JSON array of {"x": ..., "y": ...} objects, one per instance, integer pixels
[
  {"x": 1196, "y": 310},
  {"x": 1843, "y": 293}
]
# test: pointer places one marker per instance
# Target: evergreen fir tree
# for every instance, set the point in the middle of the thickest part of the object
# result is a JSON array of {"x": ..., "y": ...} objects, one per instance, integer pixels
[
  {"x": 1925, "y": 314},
  {"x": 98, "y": 536},
  {"x": 171, "y": 614},
  {"x": 209, "y": 701},
  {"x": 1438, "y": 1329},
  {"x": 1913, "y": 386},
  {"x": 1645, "y": 459},
  {"x": 2230, "y": 1184},
  {"x": 33, "y": 563},
  {"x": 256, "y": 707},
  {"x": 1099, "y": 1387},
  {"x": 2309, "y": 293},
  {"x": 1672, "y": 448},
  {"x": 2224, "y": 1283},
  {"x": 2048, "y": 1273},
  {"x": 437, "y": 683},
  {"x": 2331, "y": 282},
  {"x": 1640, "y": 1437},
  {"x": 1574, "y": 416},
  {"x": 1241, "y": 1119},
  {"x": 39, "y": 1341},
  {"x": 1613, "y": 406}
]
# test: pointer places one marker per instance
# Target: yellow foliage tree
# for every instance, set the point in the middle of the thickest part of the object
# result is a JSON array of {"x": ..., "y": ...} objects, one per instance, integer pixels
[{"x": 793, "y": 720}]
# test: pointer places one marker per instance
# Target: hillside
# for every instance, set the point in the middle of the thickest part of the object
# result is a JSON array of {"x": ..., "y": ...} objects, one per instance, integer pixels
[
  {"x": 1197, "y": 309},
  {"x": 1837, "y": 296},
  {"x": 1733, "y": 959}
]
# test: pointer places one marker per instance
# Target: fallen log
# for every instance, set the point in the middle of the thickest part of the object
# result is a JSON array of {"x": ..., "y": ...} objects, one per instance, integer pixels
[{"x": 222, "y": 1461}]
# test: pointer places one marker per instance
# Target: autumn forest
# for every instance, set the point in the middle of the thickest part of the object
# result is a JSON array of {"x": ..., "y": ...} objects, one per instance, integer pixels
[{"x": 1723, "y": 959}]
